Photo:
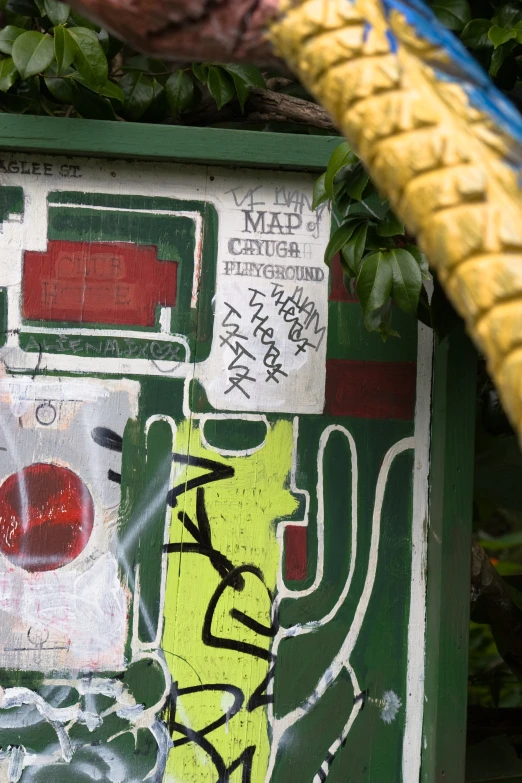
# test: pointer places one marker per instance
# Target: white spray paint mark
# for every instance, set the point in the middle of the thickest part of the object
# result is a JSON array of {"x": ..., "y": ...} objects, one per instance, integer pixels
[
  {"x": 227, "y": 703},
  {"x": 198, "y": 229},
  {"x": 392, "y": 705},
  {"x": 16, "y": 764}
]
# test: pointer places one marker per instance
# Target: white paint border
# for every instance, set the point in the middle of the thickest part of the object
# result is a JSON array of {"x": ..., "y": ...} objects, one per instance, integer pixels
[
  {"x": 416, "y": 668},
  {"x": 197, "y": 217}
]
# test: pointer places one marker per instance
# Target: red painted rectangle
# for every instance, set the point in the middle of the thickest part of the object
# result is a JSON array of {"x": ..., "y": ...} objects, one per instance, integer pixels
[
  {"x": 338, "y": 292},
  {"x": 97, "y": 282},
  {"x": 295, "y": 553},
  {"x": 371, "y": 390}
]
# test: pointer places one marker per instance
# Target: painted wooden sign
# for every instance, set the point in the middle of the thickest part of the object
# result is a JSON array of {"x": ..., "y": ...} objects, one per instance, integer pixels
[{"x": 213, "y": 487}]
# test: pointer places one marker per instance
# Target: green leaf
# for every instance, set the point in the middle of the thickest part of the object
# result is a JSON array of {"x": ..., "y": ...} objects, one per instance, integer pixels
[
  {"x": 508, "y": 14},
  {"x": 246, "y": 78},
  {"x": 507, "y": 568},
  {"x": 455, "y": 14},
  {"x": 221, "y": 86},
  {"x": 508, "y": 541},
  {"x": 22, "y": 7},
  {"x": 374, "y": 286},
  {"x": 8, "y": 74},
  {"x": 422, "y": 261},
  {"x": 90, "y": 58},
  {"x": 355, "y": 183},
  {"x": 500, "y": 35},
  {"x": 338, "y": 239},
  {"x": 242, "y": 92},
  {"x": 350, "y": 284},
  {"x": 319, "y": 194},
  {"x": 475, "y": 34},
  {"x": 499, "y": 55},
  {"x": 159, "y": 108},
  {"x": 343, "y": 175},
  {"x": 385, "y": 314},
  {"x": 139, "y": 92},
  {"x": 390, "y": 227},
  {"x": 249, "y": 74},
  {"x": 200, "y": 72},
  {"x": 81, "y": 21},
  {"x": 407, "y": 280},
  {"x": 90, "y": 105},
  {"x": 64, "y": 48},
  {"x": 353, "y": 251},
  {"x": 62, "y": 90},
  {"x": 179, "y": 88},
  {"x": 518, "y": 29},
  {"x": 32, "y": 53},
  {"x": 57, "y": 12},
  {"x": 109, "y": 89},
  {"x": 112, "y": 91},
  {"x": 8, "y": 36},
  {"x": 142, "y": 63},
  {"x": 25, "y": 96},
  {"x": 341, "y": 156},
  {"x": 25, "y": 22},
  {"x": 371, "y": 206}
]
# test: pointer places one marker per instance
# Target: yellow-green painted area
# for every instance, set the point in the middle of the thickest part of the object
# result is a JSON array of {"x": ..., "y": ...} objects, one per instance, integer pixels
[{"x": 242, "y": 512}]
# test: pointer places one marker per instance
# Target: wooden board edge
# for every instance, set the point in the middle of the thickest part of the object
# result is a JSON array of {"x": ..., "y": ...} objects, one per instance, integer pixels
[
  {"x": 449, "y": 560},
  {"x": 99, "y": 138}
]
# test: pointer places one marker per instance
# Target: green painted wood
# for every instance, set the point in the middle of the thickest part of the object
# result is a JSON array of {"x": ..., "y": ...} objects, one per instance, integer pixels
[
  {"x": 373, "y": 748},
  {"x": 449, "y": 557},
  {"x": 162, "y": 142}
]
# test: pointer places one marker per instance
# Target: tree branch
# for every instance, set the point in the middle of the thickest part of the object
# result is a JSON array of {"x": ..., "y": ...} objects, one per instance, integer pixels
[
  {"x": 262, "y": 106},
  {"x": 287, "y": 108}
]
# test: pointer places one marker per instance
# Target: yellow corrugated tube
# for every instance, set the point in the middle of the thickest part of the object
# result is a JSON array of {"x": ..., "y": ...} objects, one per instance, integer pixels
[{"x": 437, "y": 141}]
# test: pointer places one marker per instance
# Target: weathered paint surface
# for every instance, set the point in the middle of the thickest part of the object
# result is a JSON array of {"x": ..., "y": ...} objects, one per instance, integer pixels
[
  {"x": 213, "y": 487},
  {"x": 241, "y": 510}
]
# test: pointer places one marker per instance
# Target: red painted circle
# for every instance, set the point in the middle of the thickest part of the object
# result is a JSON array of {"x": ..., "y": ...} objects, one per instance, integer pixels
[{"x": 46, "y": 517}]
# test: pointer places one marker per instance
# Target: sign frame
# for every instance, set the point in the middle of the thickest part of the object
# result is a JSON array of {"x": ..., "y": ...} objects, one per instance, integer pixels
[{"x": 447, "y": 561}]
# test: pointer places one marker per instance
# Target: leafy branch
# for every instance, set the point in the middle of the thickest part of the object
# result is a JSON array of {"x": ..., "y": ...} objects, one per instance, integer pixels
[
  {"x": 380, "y": 264},
  {"x": 56, "y": 62}
]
